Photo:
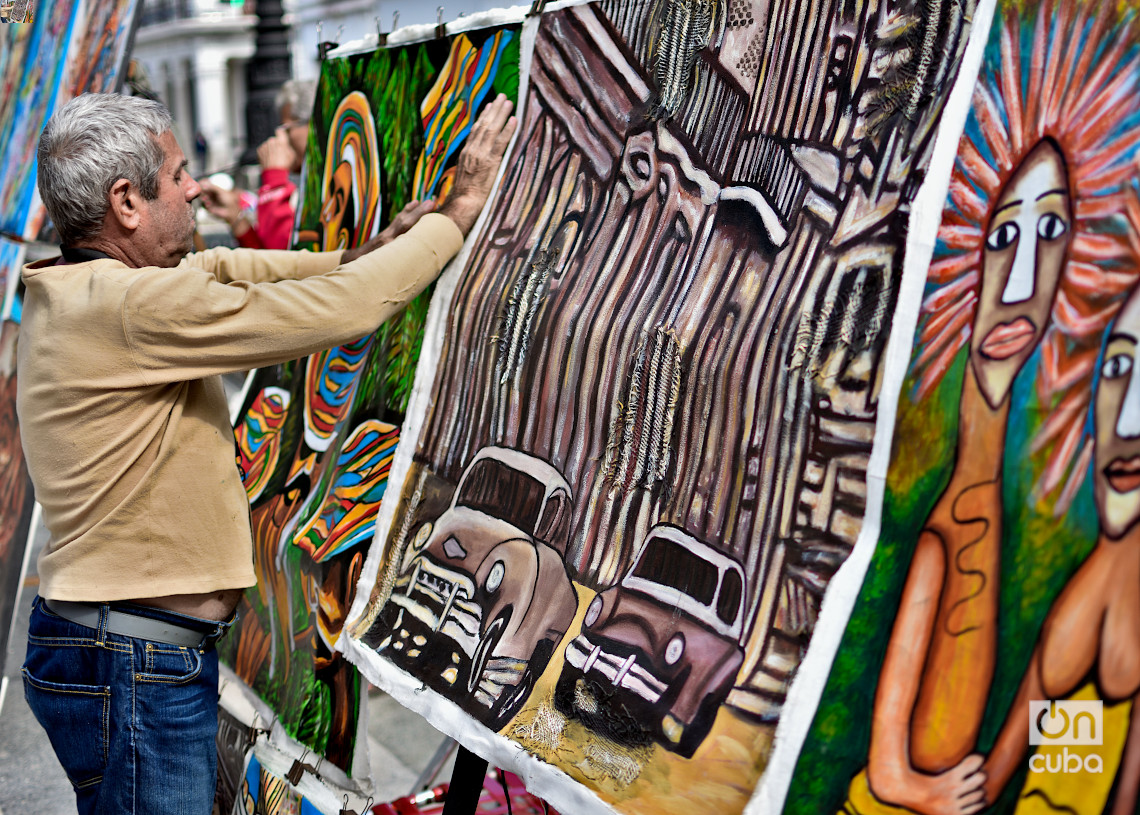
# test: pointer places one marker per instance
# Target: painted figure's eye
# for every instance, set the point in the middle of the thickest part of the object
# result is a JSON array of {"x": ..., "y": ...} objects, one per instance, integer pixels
[
  {"x": 1051, "y": 226},
  {"x": 1116, "y": 366},
  {"x": 1002, "y": 237}
]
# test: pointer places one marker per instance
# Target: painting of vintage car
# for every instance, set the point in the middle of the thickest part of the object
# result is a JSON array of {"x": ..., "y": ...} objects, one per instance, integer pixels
[
  {"x": 659, "y": 651},
  {"x": 483, "y": 591}
]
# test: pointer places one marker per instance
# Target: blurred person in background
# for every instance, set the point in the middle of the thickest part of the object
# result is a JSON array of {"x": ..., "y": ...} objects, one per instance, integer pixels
[{"x": 280, "y": 157}]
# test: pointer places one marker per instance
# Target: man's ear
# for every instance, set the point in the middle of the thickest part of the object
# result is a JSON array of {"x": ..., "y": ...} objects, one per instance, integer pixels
[{"x": 123, "y": 206}]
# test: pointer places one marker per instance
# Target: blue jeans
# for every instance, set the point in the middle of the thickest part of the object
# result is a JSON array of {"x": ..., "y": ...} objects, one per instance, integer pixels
[{"x": 133, "y": 722}]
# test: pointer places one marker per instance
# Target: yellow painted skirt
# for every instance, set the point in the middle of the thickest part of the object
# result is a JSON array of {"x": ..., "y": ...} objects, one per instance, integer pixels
[{"x": 1077, "y": 790}]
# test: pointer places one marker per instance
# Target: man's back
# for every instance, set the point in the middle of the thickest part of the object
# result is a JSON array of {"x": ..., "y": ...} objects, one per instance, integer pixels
[{"x": 99, "y": 435}]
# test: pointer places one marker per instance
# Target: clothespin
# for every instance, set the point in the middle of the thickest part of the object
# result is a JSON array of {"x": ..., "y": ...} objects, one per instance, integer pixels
[
  {"x": 381, "y": 37},
  {"x": 440, "y": 28},
  {"x": 254, "y": 730},
  {"x": 536, "y": 8}
]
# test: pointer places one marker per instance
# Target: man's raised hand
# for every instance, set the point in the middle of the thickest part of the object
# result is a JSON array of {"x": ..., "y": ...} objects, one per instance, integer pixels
[{"x": 478, "y": 163}]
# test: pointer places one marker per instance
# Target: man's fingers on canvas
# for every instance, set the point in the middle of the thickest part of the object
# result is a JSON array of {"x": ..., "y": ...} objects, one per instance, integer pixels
[
  {"x": 498, "y": 112},
  {"x": 491, "y": 120},
  {"x": 504, "y": 137},
  {"x": 418, "y": 207}
]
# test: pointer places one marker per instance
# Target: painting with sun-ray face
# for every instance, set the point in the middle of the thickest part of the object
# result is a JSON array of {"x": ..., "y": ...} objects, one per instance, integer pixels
[{"x": 1008, "y": 555}]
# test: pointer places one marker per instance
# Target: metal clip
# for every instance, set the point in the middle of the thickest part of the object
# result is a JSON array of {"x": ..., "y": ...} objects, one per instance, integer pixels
[
  {"x": 298, "y": 769},
  {"x": 440, "y": 28},
  {"x": 344, "y": 810},
  {"x": 323, "y": 47},
  {"x": 255, "y": 731}
]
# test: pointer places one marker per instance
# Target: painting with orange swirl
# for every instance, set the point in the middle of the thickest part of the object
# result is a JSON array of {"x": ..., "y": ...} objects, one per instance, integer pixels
[{"x": 316, "y": 436}]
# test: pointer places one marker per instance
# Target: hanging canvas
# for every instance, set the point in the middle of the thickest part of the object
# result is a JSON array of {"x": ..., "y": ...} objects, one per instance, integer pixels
[
  {"x": 317, "y": 436},
  {"x": 14, "y": 41},
  {"x": 1002, "y": 589},
  {"x": 42, "y": 72},
  {"x": 72, "y": 48},
  {"x": 17, "y": 500},
  {"x": 234, "y": 744},
  {"x": 264, "y": 792},
  {"x": 96, "y": 63},
  {"x": 638, "y": 456}
]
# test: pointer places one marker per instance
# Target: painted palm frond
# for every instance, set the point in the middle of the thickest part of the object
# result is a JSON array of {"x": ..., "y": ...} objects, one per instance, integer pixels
[{"x": 404, "y": 344}]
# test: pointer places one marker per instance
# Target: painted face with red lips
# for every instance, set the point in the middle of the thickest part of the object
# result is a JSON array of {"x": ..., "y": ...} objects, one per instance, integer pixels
[
  {"x": 1116, "y": 482},
  {"x": 1022, "y": 260}
]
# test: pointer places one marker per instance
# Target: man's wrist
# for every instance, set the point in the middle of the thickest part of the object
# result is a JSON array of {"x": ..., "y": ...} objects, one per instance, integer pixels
[{"x": 462, "y": 210}]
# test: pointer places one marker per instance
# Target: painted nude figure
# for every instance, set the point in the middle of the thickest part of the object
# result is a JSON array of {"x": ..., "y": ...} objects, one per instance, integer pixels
[
  {"x": 1092, "y": 632},
  {"x": 940, "y": 660}
]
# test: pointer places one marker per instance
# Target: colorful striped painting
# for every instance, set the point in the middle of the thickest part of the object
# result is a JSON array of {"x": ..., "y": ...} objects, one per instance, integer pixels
[{"x": 317, "y": 436}]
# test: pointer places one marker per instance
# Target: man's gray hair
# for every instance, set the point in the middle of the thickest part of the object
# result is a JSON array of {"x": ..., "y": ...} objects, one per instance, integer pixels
[
  {"x": 88, "y": 145},
  {"x": 299, "y": 95}
]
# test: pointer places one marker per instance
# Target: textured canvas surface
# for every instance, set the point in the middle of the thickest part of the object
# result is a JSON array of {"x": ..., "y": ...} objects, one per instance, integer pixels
[
  {"x": 38, "y": 69},
  {"x": 16, "y": 497},
  {"x": 71, "y": 47},
  {"x": 317, "y": 435},
  {"x": 1011, "y": 489},
  {"x": 642, "y": 447}
]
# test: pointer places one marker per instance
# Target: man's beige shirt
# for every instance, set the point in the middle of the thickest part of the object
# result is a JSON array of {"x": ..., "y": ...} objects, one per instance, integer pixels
[{"x": 122, "y": 413}]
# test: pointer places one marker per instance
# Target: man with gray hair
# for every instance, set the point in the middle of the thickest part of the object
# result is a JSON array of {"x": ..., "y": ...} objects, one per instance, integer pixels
[{"x": 126, "y": 432}]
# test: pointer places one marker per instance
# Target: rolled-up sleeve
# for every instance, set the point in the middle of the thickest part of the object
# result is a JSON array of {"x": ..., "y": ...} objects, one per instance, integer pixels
[{"x": 239, "y": 310}]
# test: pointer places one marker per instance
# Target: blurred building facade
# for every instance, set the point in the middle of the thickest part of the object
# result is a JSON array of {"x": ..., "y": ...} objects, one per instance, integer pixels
[{"x": 195, "y": 54}]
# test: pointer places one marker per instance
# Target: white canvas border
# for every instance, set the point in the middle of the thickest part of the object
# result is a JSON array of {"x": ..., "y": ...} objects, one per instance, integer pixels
[
  {"x": 807, "y": 688},
  {"x": 430, "y": 355}
]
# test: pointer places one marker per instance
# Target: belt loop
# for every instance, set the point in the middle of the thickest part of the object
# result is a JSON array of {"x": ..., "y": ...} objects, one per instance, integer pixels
[{"x": 101, "y": 631}]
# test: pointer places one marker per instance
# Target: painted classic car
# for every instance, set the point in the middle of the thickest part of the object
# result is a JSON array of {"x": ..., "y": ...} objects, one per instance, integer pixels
[
  {"x": 658, "y": 652},
  {"x": 483, "y": 593}
]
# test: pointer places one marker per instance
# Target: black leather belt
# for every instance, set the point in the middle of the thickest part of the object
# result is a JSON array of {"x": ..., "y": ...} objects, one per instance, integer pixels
[{"x": 131, "y": 625}]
